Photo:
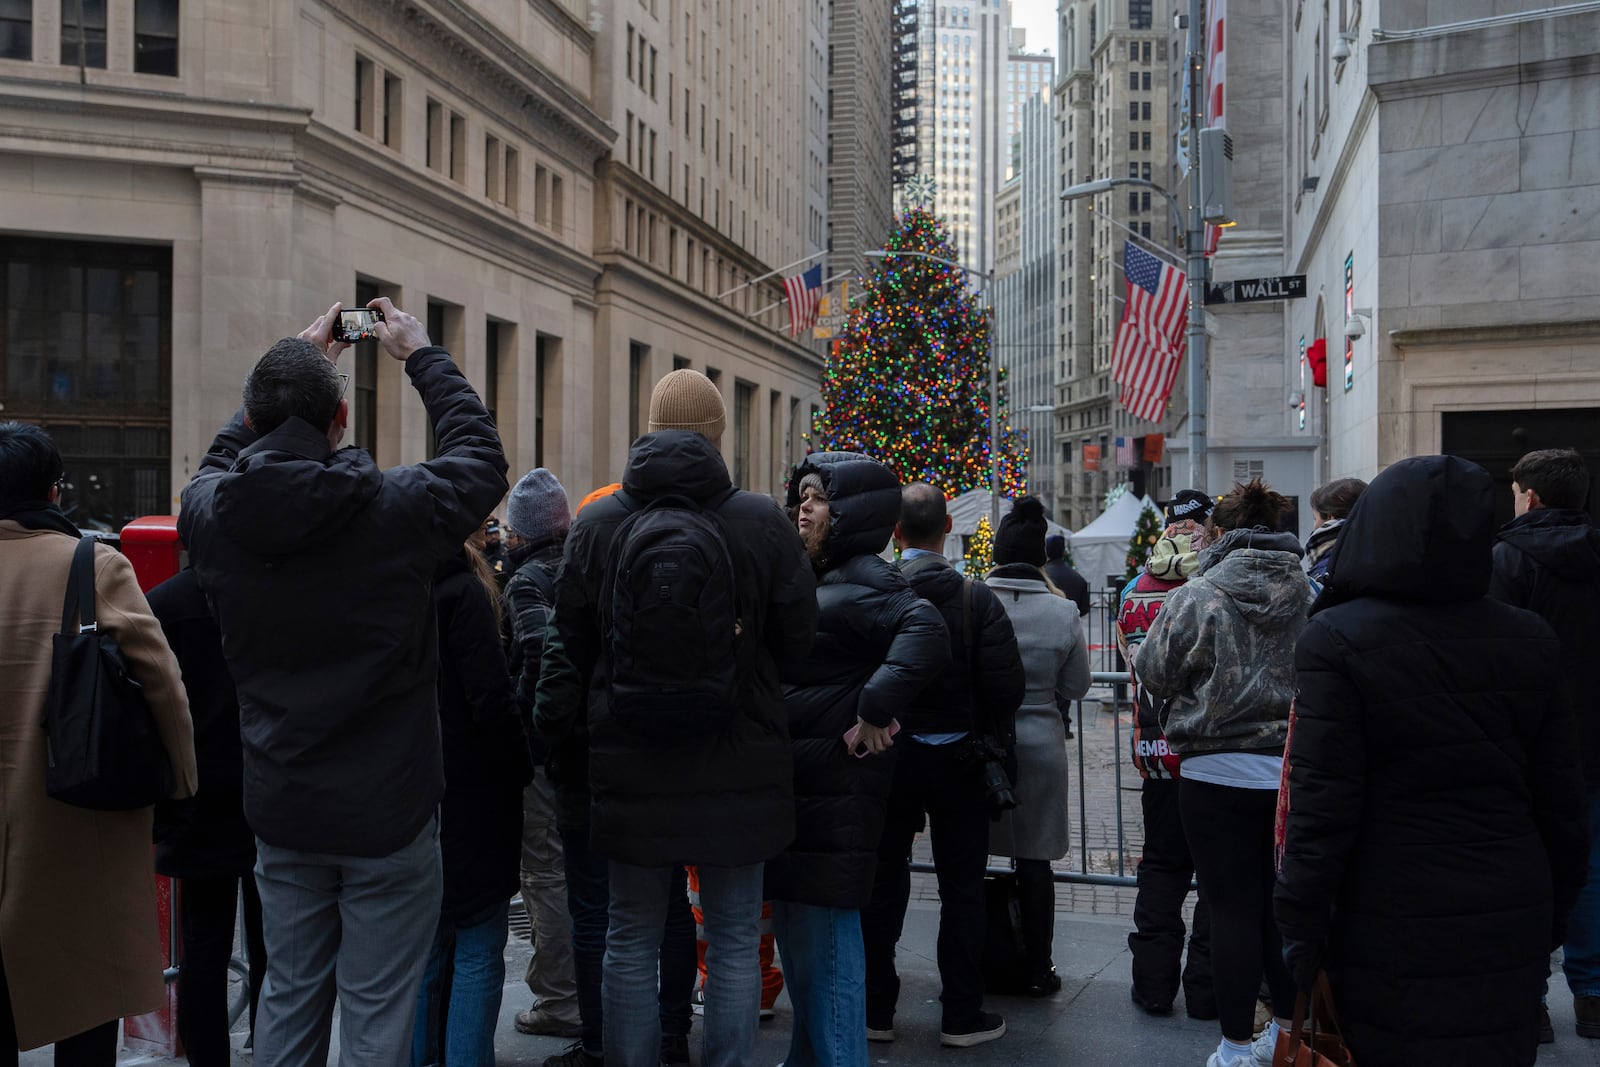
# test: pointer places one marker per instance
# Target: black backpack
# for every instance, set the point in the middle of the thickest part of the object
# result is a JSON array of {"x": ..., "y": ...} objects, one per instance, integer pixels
[
  {"x": 102, "y": 748},
  {"x": 670, "y": 621}
]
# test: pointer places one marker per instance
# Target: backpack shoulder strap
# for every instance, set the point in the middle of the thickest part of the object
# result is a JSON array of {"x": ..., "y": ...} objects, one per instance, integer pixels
[{"x": 79, "y": 599}]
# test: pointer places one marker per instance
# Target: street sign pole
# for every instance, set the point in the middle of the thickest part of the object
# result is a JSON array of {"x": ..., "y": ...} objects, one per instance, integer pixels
[{"x": 1195, "y": 246}]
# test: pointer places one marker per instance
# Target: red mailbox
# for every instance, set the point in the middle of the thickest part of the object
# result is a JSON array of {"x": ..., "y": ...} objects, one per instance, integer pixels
[{"x": 152, "y": 546}]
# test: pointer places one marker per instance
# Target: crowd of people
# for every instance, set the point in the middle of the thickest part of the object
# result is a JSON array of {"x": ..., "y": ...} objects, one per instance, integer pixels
[{"x": 698, "y": 732}]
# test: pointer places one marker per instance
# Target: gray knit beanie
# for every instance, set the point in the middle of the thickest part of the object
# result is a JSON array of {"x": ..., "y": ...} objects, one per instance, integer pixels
[{"x": 538, "y": 507}]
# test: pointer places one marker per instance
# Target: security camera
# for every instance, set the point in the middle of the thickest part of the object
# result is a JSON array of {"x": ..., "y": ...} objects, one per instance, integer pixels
[
  {"x": 1355, "y": 329},
  {"x": 1341, "y": 51}
]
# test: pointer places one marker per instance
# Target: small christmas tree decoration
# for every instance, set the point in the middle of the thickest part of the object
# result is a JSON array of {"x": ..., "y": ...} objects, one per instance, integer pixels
[
  {"x": 1145, "y": 535},
  {"x": 980, "y": 550}
]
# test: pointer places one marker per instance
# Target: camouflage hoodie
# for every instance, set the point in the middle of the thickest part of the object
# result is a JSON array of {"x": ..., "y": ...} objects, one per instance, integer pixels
[{"x": 1222, "y": 650}]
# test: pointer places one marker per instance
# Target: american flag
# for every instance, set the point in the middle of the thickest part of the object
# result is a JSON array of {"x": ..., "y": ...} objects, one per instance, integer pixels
[
  {"x": 805, "y": 297},
  {"x": 1150, "y": 337}
]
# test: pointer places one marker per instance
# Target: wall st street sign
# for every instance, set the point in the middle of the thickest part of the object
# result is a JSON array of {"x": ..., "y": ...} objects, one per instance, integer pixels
[{"x": 1255, "y": 290}]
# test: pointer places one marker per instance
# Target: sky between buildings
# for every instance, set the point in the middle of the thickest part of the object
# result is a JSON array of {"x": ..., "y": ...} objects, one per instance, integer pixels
[{"x": 1038, "y": 17}]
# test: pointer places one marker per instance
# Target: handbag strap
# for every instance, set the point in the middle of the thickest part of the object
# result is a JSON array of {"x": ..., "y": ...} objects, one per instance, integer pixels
[
  {"x": 1318, "y": 1002},
  {"x": 79, "y": 600}
]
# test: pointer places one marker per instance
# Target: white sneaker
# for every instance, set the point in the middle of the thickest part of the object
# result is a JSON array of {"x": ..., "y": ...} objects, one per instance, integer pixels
[
  {"x": 1224, "y": 1056},
  {"x": 1263, "y": 1047}
]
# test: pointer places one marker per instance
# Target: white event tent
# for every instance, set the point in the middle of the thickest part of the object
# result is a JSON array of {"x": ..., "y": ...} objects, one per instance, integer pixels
[
  {"x": 968, "y": 508},
  {"x": 1100, "y": 549}
]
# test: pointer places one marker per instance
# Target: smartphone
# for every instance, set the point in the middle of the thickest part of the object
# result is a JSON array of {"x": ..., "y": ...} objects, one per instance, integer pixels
[
  {"x": 355, "y": 324},
  {"x": 852, "y": 738}
]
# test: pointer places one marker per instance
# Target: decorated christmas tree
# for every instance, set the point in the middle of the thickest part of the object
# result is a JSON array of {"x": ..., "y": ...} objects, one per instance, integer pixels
[
  {"x": 908, "y": 381},
  {"x": 1145, "y": 535},
  {"x": 980, "y": 550}
]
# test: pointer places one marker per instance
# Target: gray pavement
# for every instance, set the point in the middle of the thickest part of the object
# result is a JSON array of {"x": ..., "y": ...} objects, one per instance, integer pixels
[{"x": 1090, "y": 1022}]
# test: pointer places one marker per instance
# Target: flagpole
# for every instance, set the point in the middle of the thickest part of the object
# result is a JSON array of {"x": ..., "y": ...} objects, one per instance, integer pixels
[
  {"x": 1164, "y": 253},
  {"x": 785, "y": 300},
  {"x": 772, "y": 273}
]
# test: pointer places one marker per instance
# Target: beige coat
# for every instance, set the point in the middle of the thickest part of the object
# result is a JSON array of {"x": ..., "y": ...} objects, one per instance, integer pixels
[{"x": 77, "y": 891}]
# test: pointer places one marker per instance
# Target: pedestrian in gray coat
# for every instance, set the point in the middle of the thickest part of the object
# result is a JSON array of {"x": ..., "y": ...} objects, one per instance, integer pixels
[{"x": 1055, "y": 665}]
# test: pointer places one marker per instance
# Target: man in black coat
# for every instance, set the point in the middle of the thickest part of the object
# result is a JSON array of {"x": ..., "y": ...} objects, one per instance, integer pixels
[
  {"x": 723, "y": 800},
  {"x": 1430, "y": 819},
  {"x": 939, "y": 773},
  {"x": 1547, "y": 560},
  {"x": 204, "y": 840},
  {"x": 1062, "y": 576},
  {"x": 318, "y": 566}
]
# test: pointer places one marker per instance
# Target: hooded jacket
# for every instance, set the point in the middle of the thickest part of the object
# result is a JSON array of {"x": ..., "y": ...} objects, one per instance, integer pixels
[
  {"x": 1431, "y": 823},
  {"x": 1221, "y": 653},
  {"x": 878, "y": 646},
  {"x": 1319, "y": 547},
  {"x": 725, "y": 800},
  {"x": 1172, "y": 562},
  {"x": 1548, "y": 561},
  {"x": 485, "y": 756},
  {"x": 319, "y": 569}
]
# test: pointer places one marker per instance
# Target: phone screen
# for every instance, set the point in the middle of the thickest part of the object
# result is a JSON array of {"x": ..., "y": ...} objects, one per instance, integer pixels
[{"x": 355, "y": 324}]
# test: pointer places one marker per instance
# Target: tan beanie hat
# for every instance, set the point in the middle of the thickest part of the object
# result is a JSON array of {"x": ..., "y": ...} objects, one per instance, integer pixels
[{"x": 688, "y": 400}]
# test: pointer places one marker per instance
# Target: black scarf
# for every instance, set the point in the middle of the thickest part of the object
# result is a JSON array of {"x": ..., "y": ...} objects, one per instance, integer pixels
[{"x": 40, "y": 515}]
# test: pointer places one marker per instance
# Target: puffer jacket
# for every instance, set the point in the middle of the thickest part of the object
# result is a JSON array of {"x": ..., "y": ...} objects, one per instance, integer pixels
[
  {"x": 529, "y": 593},
  {"x": 319, "y": 567},
  {"x": 878, "y": 645},
  {"x": 724, "y": 800},
  {"x": 1224, "y": 644},
  {"x": 1432, "y": 820},
  {"x": 1548, "y": 561},
  {"x": 1172, "y": 562}
]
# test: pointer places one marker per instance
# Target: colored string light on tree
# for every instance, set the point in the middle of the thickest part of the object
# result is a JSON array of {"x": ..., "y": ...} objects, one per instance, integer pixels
[{"x": 908, "y": 381}]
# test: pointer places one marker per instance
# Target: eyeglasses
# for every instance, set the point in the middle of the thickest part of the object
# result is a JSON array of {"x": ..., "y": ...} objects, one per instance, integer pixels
[{"x": 344, "y": 385}]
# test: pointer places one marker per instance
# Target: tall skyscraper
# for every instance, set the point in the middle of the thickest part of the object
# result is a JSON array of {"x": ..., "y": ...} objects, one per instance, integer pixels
[
  {"x": 962, "y": 49},
  {"x": 860, "y": 153},
  {"x": 1025, "y": 293},
  {"x": 1113, "y": 120},
  {"x": 1027, "y": 76}
]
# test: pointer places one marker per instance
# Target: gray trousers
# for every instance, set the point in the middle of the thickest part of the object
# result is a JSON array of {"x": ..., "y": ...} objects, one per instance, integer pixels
[
  {"x": 351, "y": 926},
  {"x": 544, "y": 896}
]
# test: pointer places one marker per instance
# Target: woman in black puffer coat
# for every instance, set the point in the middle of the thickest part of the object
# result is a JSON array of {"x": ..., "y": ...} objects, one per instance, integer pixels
[
  {"x": 486, "y": 765},
  {"x": 878, "y": 644},
  {"x": 1433, "y": 838}
]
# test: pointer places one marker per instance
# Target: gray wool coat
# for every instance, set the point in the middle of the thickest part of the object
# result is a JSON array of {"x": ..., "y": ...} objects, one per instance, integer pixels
[{"x": 1055, "y": 664}]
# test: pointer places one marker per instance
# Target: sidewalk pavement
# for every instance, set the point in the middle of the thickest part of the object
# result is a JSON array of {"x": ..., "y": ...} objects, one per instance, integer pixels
[{"x": 1090, "y": 1022}]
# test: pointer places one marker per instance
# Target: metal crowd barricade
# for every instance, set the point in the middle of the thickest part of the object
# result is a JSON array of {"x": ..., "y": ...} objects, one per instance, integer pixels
[{"x": 1105, "y": 862}]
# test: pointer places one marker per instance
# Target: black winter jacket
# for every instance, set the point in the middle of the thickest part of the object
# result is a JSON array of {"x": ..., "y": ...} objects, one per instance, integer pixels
[
  {"x": 530, "y": 593},
  {"x": 204, "y": 836},
  {"x": 1434, "y": 834},
  {"x": 1070, "y": 582},
  {"x": 485, "y": 756},
  {"x": 994, "y": 667},
  {"x": 878, "y": 646},
  {"x": 1548, "y": 561},
  {"x": 319, "y": 567},
  {"x": 725, "y": 800}
]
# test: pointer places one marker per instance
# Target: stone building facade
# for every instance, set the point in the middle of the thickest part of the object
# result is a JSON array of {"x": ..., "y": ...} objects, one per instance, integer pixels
[
  {"x": 1444, "y": 192},
  {"x": 860, "y": 143},
  {"x": 186, "y": 183}
]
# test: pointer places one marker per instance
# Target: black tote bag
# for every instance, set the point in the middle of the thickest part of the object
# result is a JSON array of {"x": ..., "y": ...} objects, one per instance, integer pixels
[{"x": 102, "y": 748}]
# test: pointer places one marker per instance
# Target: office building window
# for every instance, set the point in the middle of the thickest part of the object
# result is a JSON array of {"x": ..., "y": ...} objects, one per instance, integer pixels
[
  {"x": 86, "y": 352},
  {"x": 1140, "y": 14},
  {"x": 366, "y": 73},
  {"x": 155, "y": 37},
  {"x": 83, "y": 33},
  {"x": 364, "y": 401},
  {"x": 495, "y": 334},
  {"x": 638, "y": 367},
  {"x": 392, "y": 111},
  {"x": 744, "y": 400},
  {"x": 16, "y": 29},
  {"x": 542, "y": 346}
]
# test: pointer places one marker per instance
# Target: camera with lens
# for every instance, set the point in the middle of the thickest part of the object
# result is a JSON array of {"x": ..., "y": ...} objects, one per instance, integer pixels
[{"x": 991, "y": 763}]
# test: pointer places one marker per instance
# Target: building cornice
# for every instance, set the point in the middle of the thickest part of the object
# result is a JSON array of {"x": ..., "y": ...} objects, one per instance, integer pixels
[
  {"x": 1498, "y": 334},
  {"x": 1510, "y": 50},
  {"x": 456, "y": 40},
  {"x": 147, "y": 105}
]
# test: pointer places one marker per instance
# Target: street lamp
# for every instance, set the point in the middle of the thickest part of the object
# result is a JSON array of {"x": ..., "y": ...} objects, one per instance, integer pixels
[
  {"x": 1194, "y": 246},
  {"x": 987, "y": 279}
]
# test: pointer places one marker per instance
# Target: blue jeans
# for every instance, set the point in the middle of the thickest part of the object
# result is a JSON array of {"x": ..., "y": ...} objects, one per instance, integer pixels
[
  {"x": 589, "y": 903},
  {"x": 730, "y": 899},
  {"x": 825, "y": 969},
  {"x": 479, "y": 977},
  {"x": 1580, "y": 956}
]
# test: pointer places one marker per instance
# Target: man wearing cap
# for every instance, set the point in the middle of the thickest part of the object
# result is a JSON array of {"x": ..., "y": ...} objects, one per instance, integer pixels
[
  {"x": 538, "y": 516},
  {"x": 722, "y": 800},
  {"x": 1165, "y": 869},
  {"x": 1061, "y": 574}
]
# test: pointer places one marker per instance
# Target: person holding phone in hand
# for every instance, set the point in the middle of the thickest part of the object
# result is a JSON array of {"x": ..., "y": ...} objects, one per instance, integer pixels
[{"x": 878, "y": 645}]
